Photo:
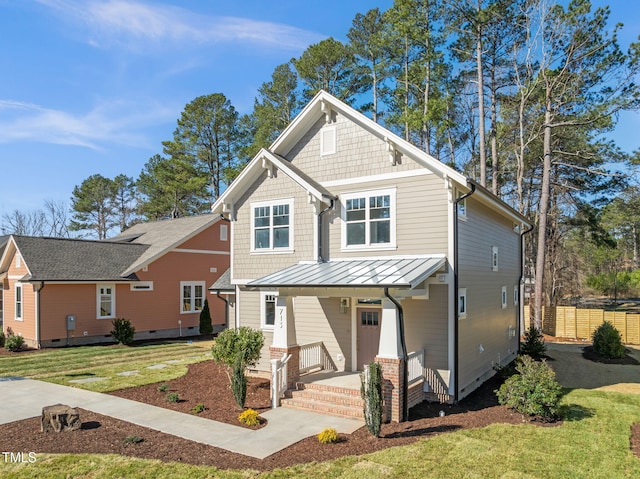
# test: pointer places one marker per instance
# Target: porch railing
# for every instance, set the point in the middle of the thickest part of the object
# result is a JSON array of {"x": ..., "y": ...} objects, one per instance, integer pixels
[
  {"x": 415, "y": 365},
  {"x": 315, "y": 356},
  {"x": 279, "y": 379}
]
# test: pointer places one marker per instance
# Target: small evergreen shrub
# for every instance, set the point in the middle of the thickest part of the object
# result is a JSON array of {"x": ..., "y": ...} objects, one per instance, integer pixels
[
  {"x": 2, "y": 339},
  {"x": 198, "y": 408},
  {"x": 173, "y": 397},
  {"x": 163, "y": 387},
  {"x": 607, "y": 341},
  {"x": 122, "y": 331},
  {"x": 371, "y": 392},
  {"x": 206, "y": 327},
  {"x": 249, "y": 417},
  {"x": 239, "y": 383},
  {"x": 534, "y": 391},
  {"x": 132, "y": 440},
  {"x": 328, "y": 436},
  {"x": 13, "y": 342},
  {"x": 533, "y": 344}
]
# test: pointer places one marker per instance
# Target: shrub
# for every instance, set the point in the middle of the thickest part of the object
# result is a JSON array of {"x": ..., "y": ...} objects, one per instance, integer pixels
[
  {"x": 371, "y": 392},
  {"x": 237, "y": 349},
  {"x": 132, "y": 440},
  {"x": 205, "y": 319},
  {"x": 249, "y": 417},
  {"x": 122, "y": 331},
  {"x": 534, "y": 391},
  {"x": 328, "y": 436},
  {"x": 533, "y": 344},
  {"x": 163, "y": 387},
  {"x": 173, "y": 397},
  {"x": 2, "y": 339},
  {"x": 13, "y": 342},
  {"x": 607, "y": 341},
  {"x": 198, "y": 408}
]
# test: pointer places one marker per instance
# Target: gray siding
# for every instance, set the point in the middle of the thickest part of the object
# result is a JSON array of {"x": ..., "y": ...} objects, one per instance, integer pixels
[{"x": 484, "y": 334}]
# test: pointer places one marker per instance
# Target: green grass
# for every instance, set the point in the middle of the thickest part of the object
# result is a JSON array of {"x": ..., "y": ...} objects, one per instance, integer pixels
[
  {"x": 593, "y": 442},
  {"x": 63, "y": 365}
]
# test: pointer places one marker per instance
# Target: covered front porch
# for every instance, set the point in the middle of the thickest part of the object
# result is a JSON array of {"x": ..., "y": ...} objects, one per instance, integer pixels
[{"x": 361, "y": 301}]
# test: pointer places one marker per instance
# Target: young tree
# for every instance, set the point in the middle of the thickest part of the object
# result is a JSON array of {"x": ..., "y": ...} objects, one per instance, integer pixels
[{"x": 92, "y": 203}]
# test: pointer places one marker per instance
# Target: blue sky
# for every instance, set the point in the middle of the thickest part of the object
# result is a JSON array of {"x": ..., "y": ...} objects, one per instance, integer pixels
[{"x": 95, "y": 86}]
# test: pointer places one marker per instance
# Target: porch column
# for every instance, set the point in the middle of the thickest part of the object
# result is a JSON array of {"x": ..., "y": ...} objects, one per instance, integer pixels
[
  {"x": 392, "y": 360},
  {"x": 284, "y": 338}
]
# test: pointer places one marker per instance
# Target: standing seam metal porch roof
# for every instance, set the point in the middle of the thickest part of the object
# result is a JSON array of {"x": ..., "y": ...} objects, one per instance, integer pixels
[{"x": 391, "y": 273}]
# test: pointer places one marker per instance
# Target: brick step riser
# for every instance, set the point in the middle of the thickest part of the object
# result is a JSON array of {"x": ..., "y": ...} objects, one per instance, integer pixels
[
  {"x": 325, "y": 397},
  {"x": 326, "y": 408},
  {"x": 330, "y": 389}
]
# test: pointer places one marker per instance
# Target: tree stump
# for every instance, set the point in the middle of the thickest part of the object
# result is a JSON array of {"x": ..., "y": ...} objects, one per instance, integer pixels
[{"x": 59, "y": 417}]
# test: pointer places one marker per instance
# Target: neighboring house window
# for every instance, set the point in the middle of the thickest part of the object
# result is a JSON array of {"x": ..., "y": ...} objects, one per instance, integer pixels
[
  {"x": 106, "y": 301},
  {"x": 504, "y": 297},
  {"x": 516, "y": 294},
  {"x": 462, "y": 302},
  {"x": 494, "y": 258},
  {"x": 369, "y": 219},
  {"x": 272, "y": 226},
  {"x": 19, "y": 302},
  {"x": 224, "y": 232},
  {"x": 328, "y": 143},
  {"x": 191, "y": 296},
  {"x": 268, "y": 309},
  {"x": 462, "y": 207}
]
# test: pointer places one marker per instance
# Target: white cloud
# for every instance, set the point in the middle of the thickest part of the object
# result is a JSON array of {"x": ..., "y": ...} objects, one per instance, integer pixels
[
  {"x": 108, "y": 123},
  {"x": 129, "y": 22}
]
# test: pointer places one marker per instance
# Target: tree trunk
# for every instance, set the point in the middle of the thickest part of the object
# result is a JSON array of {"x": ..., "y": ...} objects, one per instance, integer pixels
[{"x": 481, "y": 132}]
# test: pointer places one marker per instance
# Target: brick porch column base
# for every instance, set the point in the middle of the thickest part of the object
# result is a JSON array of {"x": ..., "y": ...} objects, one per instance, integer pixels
[
  {"x": 293, "y": 366},
  {"x": 392, "y": 380}
]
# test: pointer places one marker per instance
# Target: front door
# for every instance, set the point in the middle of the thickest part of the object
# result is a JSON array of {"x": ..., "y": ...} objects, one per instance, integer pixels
[{"x": 368, "y": 335}]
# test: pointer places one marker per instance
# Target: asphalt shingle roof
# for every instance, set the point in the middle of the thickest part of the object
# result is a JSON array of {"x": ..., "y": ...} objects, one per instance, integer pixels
[{"x": 62, "y": 259}]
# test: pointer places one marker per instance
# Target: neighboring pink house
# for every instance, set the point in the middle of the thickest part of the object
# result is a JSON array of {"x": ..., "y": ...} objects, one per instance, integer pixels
[{"x": 58, "y": 292}]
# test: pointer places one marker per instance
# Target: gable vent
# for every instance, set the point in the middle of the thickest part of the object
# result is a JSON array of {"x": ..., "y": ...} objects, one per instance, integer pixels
[{"x": 328, "y": 141}]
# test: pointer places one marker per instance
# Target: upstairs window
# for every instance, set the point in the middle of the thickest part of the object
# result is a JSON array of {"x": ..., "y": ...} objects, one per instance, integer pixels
[
  {"x": 494, "y": 258},
  {"x": 272, "y": 226},
  {"x": 369, "y": 220},
  {"x": 462, "y": 302},
  {"x": 18, "y": 302}
]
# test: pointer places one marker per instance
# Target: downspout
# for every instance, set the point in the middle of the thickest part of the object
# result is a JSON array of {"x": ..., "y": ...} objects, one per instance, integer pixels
[
  {"x": 226, "y": 309},
  {"x": 403, "y": 344},
  {"x": 320, "y": 215},
  {"x": 456, "y": 307},
  {"x": 38, "y": 342},
  {"x": 520, "y": 288}
]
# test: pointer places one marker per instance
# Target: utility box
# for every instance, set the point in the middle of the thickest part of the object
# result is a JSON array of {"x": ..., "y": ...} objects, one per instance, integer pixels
[{"x": 71, "y": 322}]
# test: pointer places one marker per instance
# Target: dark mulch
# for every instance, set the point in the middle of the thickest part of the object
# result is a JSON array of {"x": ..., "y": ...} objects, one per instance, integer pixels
[
  {"x": 589, "y": 353},
  {"x": 207, "y": 383}
]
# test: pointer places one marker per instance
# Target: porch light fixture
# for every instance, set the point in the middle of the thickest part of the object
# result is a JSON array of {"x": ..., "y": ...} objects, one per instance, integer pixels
[{"x": 344, "y": 305}]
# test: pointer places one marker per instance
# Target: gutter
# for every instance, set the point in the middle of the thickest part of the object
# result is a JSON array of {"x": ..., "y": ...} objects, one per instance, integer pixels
[
  {"x": 455, "y": 288},
  {"x": 320, "y": 215},
  {"x": 38, "y": 342},
  {"x": 521, "y": 289},
  {"x": 405, "y": 369}
]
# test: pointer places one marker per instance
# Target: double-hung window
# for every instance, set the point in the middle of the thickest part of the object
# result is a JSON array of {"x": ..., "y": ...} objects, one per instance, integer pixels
[
  {"x": 19, "y": 300},
  {"x": 268, "y": 309},
  {"x": 369, "y": 220},
  {"x": 272, "y": 226},
  {"x": 191, "y": 296},
  {"x": 106, "y": 301}
]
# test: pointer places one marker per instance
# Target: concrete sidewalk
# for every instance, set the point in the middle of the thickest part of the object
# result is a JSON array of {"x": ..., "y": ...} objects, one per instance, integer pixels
[{"x": 25, "y": 398}]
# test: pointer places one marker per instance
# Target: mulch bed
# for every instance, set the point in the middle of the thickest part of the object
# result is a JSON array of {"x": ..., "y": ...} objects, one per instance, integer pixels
[
  {"x": 589, "y": 353},
  {"x": 208, "y": 384}
]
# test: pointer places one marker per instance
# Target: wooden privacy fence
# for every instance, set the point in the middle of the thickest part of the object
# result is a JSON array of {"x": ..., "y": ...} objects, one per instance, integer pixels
[{"x": 574, "y": 323}]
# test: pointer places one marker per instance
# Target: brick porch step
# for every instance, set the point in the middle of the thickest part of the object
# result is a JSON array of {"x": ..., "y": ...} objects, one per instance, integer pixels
[{"x": 337, "y": 401}]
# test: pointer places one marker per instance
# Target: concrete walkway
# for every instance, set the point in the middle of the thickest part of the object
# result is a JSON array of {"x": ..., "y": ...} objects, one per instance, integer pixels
[{"x": 25, "y": 398}]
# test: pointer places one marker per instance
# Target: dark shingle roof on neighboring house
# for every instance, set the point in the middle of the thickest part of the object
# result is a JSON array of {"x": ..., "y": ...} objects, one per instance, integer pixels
[{"x": 61, "y": 259}]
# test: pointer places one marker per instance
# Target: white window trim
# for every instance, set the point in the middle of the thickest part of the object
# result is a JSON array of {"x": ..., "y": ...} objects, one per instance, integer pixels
[
  {"x": 141, "y": 286},
  {"x": 504, "y": 299},
  {"x": 516, "y": 295},
  {"x": 368, "y": 246},
  {"x": 192, "y": 285},
  {"x": 18, "y": 286},
  {"x": 334, "y": 147},
  {"x": 113, "y": 300},
  {"x": 272, "y": 250},
  {"x": 495, "y": 259},
  {"x": 462, "y": 293},
  {"x": 224, "y": 232},
  {"x": 263, "y": 310}
]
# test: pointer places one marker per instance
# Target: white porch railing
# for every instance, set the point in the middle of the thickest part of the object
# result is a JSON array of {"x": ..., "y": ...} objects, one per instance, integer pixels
[
  {"x": 315, "y": 356},
  {"x": 415, "y": 365},
  {"x": 279, "y": 379}
]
